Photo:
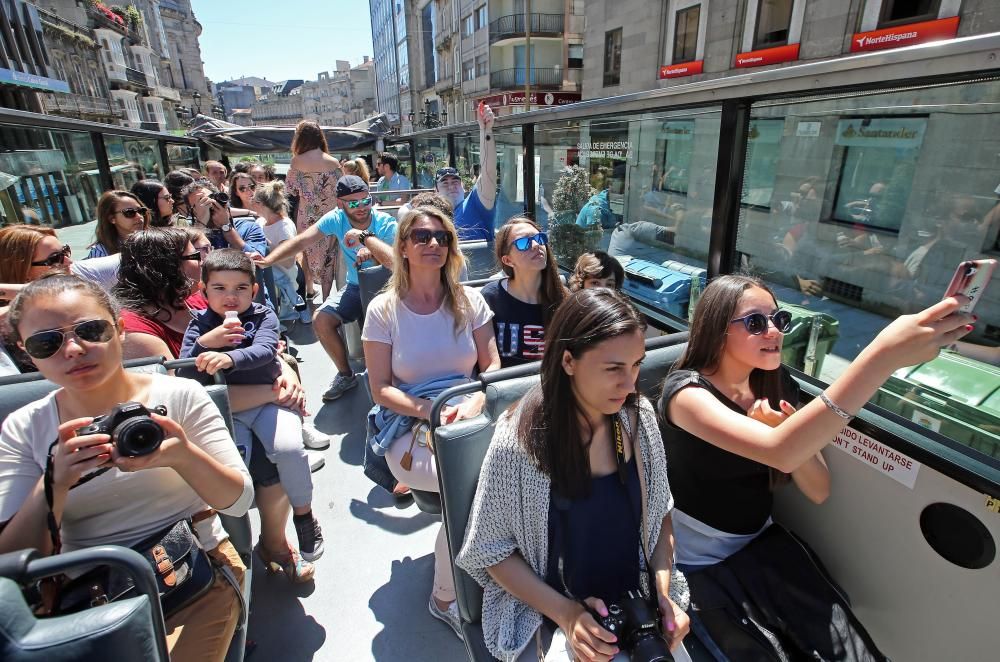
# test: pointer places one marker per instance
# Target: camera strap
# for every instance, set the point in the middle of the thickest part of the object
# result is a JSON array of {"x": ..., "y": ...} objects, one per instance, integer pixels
[{"x": 47, "y": 480}]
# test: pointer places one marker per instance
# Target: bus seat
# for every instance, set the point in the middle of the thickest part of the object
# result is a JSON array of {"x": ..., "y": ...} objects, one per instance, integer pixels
[
  {"x": 130, "y": 629},
  {"x": 479, "y": 258},
  {"x": 459, "y": 452}
]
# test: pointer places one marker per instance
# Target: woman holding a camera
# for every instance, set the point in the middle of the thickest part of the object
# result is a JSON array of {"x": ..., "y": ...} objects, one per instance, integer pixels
[
  {"x": 571, "y": 519},
  {"x": 97, "y": 492}
]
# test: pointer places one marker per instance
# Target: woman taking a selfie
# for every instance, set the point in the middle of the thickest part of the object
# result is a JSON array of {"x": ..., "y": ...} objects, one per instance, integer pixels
[
  {"x": 732, "y": 434},
  {"x": 73, "y": 332},
  {"x": 581, "y": 448}
]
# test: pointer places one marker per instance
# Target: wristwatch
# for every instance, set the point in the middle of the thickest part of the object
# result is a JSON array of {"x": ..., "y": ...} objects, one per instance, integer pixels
[
  {"x": 226, "y": 227},
  {"x": 364, "y": 236}
]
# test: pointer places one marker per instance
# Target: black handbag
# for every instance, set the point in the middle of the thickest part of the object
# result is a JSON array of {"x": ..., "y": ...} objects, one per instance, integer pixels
[{"x": 183, "y": 570}]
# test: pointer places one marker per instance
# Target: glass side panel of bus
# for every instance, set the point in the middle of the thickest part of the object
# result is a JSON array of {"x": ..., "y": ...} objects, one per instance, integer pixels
[
  {"x": 47, "y": 177},
  {"x": 132, "y": 159},
  {"x": 402, "y": 152},
  {"x": 467, "y": 155},
  {"x": 183, "y": 156},
  {"x": 640, "y": 188},
  {"x": 510, "y": 173},
  {"x": 858, "y": 209},
  {"x": 432, "y": 153}
]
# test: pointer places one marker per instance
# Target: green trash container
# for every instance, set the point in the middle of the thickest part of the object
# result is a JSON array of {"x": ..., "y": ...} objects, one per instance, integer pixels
[
  {"x": 953, "y": 395},
  {"x": 809, "y": 340}
]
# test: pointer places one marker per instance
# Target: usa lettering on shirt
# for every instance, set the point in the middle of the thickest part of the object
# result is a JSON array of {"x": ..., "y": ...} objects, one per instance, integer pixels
[{"x": 511, "y": 337}]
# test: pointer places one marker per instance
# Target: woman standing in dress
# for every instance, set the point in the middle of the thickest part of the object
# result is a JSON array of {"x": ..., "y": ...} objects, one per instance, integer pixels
[{"x": 313, "y": 178}]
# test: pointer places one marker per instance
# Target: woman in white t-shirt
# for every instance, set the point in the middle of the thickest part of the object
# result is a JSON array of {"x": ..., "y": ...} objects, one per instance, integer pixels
[
  {"x": 73, "y": 332},
  {"x": 426, "y": 326},
  {"x": 268, "y": 200}
]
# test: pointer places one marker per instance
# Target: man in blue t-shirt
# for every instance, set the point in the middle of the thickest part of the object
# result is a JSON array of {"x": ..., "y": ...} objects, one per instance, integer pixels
[
  {"x": 365, "y": 237},
  {"x": 474, "y": 213}
]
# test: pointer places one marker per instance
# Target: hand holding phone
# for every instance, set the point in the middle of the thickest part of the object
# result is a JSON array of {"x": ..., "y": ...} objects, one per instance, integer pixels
[{"x": 971, "y": 279}]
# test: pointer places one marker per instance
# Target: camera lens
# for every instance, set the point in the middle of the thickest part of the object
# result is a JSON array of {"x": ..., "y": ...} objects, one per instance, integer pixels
[
  {"x": 138, "y": 436},
  {"x": 221, "y": 198}
]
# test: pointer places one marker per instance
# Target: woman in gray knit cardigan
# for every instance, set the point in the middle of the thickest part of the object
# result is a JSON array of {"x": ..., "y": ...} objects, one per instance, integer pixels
[{"x": 566, "y": 521}]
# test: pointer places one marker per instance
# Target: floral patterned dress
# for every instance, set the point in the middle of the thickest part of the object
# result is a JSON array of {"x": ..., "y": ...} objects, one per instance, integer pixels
[{"x": 317, "y": 192}]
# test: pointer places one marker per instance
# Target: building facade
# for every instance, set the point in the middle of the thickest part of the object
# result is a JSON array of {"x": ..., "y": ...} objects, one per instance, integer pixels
[
  {"x": 635, "y": 45},
  {"x": 184, "y": 70},
  {"x": 280, "y": 106},
  {"x": 25, "y": 67},
  {"x": 342, "y": 98},
  {"x": 240, "y": 94},
  {"x": 396, "y": 39},
  {"x": 486, "y": 50}
]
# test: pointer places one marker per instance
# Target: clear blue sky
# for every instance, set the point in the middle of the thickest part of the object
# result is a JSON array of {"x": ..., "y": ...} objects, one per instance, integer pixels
[{"x": 281, "y": 39}]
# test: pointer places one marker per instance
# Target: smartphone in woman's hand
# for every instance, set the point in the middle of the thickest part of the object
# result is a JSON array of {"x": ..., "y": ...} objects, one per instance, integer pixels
[{"x": 971, "y": 279}]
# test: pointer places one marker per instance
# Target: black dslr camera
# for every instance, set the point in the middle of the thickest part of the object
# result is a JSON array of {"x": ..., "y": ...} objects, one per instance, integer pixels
[
  {"x": 132, "y": 431},
  {"x": 220, "y": 197},
  {"x": 636, "y": 623}
]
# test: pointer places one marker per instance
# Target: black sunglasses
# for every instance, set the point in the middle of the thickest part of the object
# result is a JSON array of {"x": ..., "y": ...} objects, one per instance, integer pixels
[
  {"x": 194, "y": 257},
  {"x": 56, "y": 258},
  {"x": 756, "y": 323},
  {"x": 44, "y": 344},
  {"x": 132, "y": 212},
  {"x": 247, "y": 187},
  {"x": 524, "y": 243},
  {"x": 423, "y": 236}
]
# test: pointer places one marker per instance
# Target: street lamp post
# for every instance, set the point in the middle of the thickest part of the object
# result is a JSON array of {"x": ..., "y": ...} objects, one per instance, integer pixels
[
  {"x": 429, "y": 119},
  {"x": 197, "y": 102}
]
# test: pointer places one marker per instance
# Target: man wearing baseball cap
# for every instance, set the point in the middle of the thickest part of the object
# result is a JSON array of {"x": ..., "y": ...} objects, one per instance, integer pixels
[
  {"x": 474, "y": 213},
  {"x": 365, "y": 237}
]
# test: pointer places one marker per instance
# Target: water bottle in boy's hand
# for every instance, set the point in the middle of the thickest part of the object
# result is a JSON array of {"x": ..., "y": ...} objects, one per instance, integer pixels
[{"x": 233, "y": 320}]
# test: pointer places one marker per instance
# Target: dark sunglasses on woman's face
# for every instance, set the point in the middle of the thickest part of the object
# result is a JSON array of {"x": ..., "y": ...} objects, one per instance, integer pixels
[
  {"x": 423, "y": 236},
  {"x": 56, "y": 258},
  {"x": 194, "y": 257},
  {"x": 246, "y": 187},
  {"x": 44, "y": 344},
  {"x": 132, "y": 212},
  {"x": 756, "y": 323},
  {"x": 524, "y": 243}
]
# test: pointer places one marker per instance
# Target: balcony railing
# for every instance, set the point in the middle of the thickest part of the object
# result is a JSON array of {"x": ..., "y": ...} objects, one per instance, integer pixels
[
  {"x": 100, "y": 20},
  {"x": 168, "y": 93},
  {"x": 512, "y": 26},
  {"x": 136, "y": 76},
  {"x": 444, "y": 83},
  {"x": 79, "y": 105},
  {"x": 540, "y": 79},
  {"x": 150, "y": 126}
]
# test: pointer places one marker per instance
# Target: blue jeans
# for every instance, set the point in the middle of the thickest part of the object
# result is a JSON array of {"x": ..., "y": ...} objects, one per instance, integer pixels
[{"x": 284, "y": 283}]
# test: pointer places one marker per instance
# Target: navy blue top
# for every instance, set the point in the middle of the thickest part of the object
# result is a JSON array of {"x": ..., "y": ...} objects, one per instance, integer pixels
[
  {"x": 602, "y": 538},
  {"x": 255, "y": 360}
]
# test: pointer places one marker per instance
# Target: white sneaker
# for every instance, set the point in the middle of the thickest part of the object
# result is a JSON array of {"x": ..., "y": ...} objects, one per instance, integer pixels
[
  {"x": 313, "y": 438},
  {"x": 448, "y": 616},
  {"x": 316, "y": 461}
]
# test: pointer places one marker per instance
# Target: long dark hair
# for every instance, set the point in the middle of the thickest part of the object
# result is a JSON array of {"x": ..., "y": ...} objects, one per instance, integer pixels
[
  {"x": 150, "y": 271},
  {"x": 550, "y": 421},
  {"x": 107, "y": 234},
  {"x": 553, "y": 293},
  {"x": 707, "y": 341},
  {"x": 147, "y": 191}
]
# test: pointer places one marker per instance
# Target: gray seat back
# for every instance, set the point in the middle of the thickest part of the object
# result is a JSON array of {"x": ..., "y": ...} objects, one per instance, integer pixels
[
  {"x": 461, "y": 447},
  {"x": 479, "y": 258},
  {"x": 130, "y": 629},
  {"x": 370, "y": 282}
]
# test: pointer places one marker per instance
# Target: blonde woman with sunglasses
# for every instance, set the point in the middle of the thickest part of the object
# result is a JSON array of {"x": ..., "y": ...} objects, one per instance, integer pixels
[{"x": 119, "y": 214}]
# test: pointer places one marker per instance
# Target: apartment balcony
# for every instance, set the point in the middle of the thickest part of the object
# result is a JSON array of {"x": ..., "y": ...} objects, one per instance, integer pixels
[
  {"x": 540, "y": 25},
  {"x": 136, "y": 77},
  {"x": 515, "y": 79},
  {"x": 79, "y": 105},
  {"x": 444, "y": 84},
  {"x": 442, "y": 40},
  {"x": 102, "y": 20},
  {"x": 167, "y": 93}
]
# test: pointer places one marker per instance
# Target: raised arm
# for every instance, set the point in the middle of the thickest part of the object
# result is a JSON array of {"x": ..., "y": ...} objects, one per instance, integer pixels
[
  {"x": 909, "y": 340},
  {"x": 486, "y": 184}
]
